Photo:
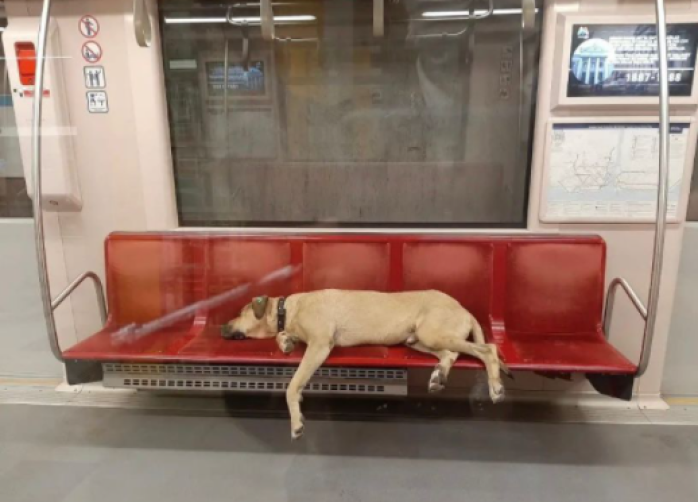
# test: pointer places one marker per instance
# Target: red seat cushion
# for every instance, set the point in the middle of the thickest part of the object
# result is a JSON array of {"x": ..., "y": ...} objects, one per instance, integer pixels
[
  {"x": 463, "y": 270},
  {"x": 566, "y": 353},
  {"x": 554, "y": 287},
  {"x": 346, "y": 265},
  {"x": 585, "y": 353}
]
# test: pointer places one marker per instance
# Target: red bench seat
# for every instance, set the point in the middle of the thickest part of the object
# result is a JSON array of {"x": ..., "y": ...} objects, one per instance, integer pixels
[{"x": 538, "y": 297}]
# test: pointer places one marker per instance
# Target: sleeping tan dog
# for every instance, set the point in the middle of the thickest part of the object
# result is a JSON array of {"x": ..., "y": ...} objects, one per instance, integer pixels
[{"x": 428, "y": 321}]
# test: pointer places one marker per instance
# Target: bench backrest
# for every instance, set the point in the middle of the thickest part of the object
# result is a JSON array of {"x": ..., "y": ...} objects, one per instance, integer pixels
[{"x": 528, "y": 284}]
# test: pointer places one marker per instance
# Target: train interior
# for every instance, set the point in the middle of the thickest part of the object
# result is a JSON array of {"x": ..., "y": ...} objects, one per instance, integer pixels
[{"x": 168, "y": 166}]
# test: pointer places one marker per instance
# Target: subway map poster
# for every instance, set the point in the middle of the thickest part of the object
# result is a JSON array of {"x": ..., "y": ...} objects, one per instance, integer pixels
[{"x": 609, "y": 172}]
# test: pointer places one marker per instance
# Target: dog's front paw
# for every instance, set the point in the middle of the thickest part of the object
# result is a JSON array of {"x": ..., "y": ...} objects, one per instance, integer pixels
[
  {"x": 437, "y": 381},
  {"x": 496, "y": 391},
  {"x": 285, "y": 343}
]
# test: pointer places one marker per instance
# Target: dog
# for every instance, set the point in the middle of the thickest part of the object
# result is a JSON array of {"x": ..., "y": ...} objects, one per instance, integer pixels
[{"x": 428, "y": 321}]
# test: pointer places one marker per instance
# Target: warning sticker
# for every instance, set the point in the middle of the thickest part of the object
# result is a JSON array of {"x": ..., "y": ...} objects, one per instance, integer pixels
[
  {"x": 91, "y": 52},
  {"x": 95, "y": 78},
  {"x": 89, "y": 26},
  {"x": 97, "y": 102}
]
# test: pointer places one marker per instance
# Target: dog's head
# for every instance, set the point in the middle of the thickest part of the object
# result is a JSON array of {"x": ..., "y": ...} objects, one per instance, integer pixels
[{"x": 253, "y": 321}]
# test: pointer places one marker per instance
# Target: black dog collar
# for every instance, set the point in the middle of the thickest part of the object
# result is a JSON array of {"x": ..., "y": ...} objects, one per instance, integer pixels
[{"x": 281, "y": 315}]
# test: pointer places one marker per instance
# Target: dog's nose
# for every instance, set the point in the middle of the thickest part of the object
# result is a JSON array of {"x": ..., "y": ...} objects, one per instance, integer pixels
[
  {"x": 237, "y": 335},
  {"x": 229, "y": 334}
]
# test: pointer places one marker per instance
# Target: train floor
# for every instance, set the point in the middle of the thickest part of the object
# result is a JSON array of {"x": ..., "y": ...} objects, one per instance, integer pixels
[{"x": 74, "y": 454}]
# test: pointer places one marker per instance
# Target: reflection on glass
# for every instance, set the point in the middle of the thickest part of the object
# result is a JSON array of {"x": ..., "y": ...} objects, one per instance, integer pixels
[
  {"x": 334, "y": 123},
  {"x": 240, "y": 80},
  {"x": 14, "y": 201}
]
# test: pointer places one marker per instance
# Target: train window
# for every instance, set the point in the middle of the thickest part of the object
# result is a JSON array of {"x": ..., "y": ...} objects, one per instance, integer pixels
[
  {"x": 422, "y": 116},
  {"x": 14, "y": 201}
]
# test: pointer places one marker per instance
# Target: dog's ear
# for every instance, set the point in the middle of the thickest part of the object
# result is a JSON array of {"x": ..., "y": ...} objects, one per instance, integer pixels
[{"x": 259, "y": 306}]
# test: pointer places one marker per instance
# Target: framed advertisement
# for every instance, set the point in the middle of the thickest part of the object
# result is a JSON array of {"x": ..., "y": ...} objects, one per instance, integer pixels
[{"x": 611, "y": 62}]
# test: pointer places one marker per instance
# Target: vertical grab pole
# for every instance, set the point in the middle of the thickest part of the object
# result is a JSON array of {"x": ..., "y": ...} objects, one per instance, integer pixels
[
  {"x": 36, "y": 178},
  {"x": 662, "y": 191}
]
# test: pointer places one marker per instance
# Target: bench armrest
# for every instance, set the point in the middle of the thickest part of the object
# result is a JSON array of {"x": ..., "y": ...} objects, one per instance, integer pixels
[
  {"x": 610, "y": 299},
  {"x": 99, "y": 291}
]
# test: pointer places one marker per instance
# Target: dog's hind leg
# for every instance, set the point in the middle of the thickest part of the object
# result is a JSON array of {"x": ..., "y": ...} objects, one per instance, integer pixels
[
  {"x": 314, "y": 356},
  {"x": 489, "y": 355},
  {"x": 439, "y": 376},
  {"x": 436, "y": 340},
  {"x": 478, "y": 335}
]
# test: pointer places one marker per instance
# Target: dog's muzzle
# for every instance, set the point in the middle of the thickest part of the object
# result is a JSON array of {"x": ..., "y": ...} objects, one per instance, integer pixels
[{"x": 228, "y": 334}]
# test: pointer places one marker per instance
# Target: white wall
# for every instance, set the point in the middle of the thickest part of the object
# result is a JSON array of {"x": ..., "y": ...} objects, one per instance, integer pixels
[{"x": 681, "y": 366}]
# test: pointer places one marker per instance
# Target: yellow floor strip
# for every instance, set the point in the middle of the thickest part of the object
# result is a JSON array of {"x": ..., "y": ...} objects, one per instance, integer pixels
[{"x": 681, "y": 401}]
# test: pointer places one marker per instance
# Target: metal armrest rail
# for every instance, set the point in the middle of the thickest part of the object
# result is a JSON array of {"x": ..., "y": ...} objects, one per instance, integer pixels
[
  {"x": 642, "y": 310},
  {"x": 99, "y": 291},
  {"x": 662, "y": 192},
  {"x": 650, "y": 313},
  {"x": 610, "y": 300}
]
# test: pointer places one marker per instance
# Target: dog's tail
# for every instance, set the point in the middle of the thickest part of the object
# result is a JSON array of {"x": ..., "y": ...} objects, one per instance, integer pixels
[{"x": 478, "y": 335}]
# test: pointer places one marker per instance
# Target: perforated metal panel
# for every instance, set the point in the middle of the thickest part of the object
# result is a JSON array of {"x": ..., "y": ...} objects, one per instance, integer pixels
[{"x": 191, "y": 377}]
